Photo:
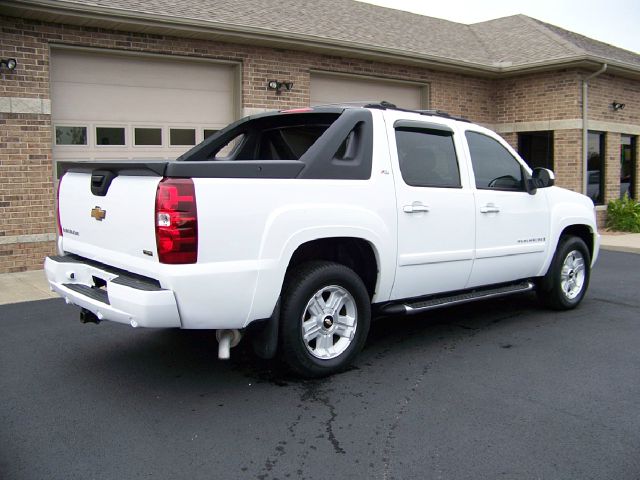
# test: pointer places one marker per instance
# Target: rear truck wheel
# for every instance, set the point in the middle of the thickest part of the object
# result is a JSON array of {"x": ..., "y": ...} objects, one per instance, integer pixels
[
  {"x": 324, "y": 318},
  {"x": 566, "y": 282}
]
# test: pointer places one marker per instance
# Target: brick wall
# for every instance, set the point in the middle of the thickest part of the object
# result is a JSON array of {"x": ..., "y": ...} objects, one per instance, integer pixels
[
  {"x": 26, "y": 187},
  {"x": 512, "y": 139},
  {"x": 542, "y": 96},
  {"x": 567, "y": 147},
  {"x": 18, "y": 257},
  {"x": 611, "y": 167},
  {"x": 26, "y": 190},
  {"x": 604, "y": 90}
]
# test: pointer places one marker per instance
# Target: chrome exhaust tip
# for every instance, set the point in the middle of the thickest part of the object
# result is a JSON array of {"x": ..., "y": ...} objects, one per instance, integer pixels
[{"x": 227, "y": 339}]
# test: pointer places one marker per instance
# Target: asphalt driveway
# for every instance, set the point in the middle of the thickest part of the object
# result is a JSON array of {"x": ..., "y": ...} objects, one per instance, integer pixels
[{"x": 501, "y": 389}]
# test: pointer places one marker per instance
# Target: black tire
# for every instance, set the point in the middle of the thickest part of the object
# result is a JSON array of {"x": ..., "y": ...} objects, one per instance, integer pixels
[
  {"x": 301, "y": 286},
  {"x": 555, "y": 288}
]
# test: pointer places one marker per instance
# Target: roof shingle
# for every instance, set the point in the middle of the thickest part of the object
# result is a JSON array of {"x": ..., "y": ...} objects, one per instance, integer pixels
[{"x": 515, "y": 41}]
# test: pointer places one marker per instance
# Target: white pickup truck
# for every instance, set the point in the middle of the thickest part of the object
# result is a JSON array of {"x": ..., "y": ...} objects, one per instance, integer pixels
[{"x": 293, "y": 226}]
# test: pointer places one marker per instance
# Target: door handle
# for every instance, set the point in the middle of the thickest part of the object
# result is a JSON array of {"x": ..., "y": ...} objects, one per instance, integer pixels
[
  {"x": 415, "y": 208},
  {"x": 489, "y": 208}
]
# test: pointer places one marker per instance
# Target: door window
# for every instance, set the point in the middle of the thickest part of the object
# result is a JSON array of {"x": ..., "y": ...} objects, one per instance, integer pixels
[
  {"x": 427, "y": 158},
  {"x": 493, "y": 166}
]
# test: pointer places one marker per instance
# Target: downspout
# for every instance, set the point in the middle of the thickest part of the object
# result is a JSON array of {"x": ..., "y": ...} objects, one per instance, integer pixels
[{"x": 585, "y": 127}]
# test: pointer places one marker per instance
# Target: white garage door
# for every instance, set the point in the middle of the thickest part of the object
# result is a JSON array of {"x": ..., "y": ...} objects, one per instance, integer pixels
[
  {"x": 108, "y": 106},
  {"x": 327, "y": 88}
]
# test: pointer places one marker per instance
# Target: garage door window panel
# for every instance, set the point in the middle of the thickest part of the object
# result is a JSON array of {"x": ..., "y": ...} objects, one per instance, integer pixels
[
  {"x": 147, "y": 136},
  {"x": 494, "y": 167},
  {"x": 110, "y": 136},
  {"x": 207, "y": 132},
  {"x": 179, "y": 137},
  {"x": 428, "y": 158},
  {"x": 71, "y": 135}
]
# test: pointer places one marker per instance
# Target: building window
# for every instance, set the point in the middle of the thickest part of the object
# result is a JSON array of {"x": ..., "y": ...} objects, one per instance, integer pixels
[
  {"x": 71, "y": 135},
  {"x": 627, "y": 165},
  {"x": 110, "y": 136},
  {"x": 427, "y": 158},
  {"x": 182, "y": 136},
  {"x": 147, "y": 136},
  {"x": 493, "y": 166},
  {"x": 595, "y": 167},
  {"x": 536, "y": 148}
]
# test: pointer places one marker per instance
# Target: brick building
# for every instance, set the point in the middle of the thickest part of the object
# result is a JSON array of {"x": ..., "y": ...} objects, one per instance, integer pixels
[{"x": 123, "y": 79}]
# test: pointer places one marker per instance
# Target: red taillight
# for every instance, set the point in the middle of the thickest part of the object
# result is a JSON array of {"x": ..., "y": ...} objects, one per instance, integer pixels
[
  {"x": 176, "y": 221},
  {"x": 58, "y": 208}
]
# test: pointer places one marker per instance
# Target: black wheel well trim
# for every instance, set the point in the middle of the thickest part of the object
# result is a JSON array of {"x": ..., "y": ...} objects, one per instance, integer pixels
[
  {"x": 585, "y": 232},
  {"x": 356, "y": 253}
]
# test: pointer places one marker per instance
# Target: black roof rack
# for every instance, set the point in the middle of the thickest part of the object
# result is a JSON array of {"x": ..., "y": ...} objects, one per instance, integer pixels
[{"x": 384, "y": 105}]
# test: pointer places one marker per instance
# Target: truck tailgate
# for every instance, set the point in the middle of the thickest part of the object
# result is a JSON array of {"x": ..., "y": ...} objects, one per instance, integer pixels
[{"x": 117, "y": 229}]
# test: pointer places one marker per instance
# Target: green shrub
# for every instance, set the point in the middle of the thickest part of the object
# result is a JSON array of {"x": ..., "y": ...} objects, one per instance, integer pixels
[{"x": 624, "y": 215}]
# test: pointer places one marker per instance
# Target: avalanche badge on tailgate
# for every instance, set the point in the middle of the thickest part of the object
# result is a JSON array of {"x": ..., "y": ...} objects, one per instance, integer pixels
[{"x": 98, "y": 213}]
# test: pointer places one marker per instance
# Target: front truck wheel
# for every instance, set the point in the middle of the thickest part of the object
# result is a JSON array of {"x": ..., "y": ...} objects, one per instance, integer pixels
[
  {"x": 566, "y": 282},
  {"x": 325, "y": 317}
]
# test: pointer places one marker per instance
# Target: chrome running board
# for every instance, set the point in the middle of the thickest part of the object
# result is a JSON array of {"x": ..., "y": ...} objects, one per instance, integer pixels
[{"x": 431, "y": 303}]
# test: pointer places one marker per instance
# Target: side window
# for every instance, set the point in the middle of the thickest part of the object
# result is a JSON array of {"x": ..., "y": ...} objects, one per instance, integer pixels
[
  {"x": 427, "y": 158},
  {"x": 493, "y": 166}
]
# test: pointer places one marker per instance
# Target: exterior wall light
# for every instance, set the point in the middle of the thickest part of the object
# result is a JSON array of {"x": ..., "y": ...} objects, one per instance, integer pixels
[
  {"x": 617, "y": 106},
  {"x": 9, "y": 63},
  {"x": 279, "y": 87}
]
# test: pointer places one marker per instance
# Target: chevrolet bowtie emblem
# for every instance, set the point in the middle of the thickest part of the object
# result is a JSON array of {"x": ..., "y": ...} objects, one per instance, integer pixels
[{"x": 98, "y": 213}]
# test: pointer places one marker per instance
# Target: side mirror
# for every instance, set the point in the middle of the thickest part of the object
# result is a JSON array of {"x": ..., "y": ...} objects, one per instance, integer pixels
[{"x": 543, "y": 177}]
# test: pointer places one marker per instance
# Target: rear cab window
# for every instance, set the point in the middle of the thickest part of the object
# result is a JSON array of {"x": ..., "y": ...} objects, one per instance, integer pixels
[{"x": 427, "y": 155}]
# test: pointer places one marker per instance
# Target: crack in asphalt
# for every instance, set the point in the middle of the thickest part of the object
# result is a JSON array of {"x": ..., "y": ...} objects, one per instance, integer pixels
[
  {"x": 312, "y": 392},
  {"x": 315, "y": 394},
  {"x": 388, "y": 449}
]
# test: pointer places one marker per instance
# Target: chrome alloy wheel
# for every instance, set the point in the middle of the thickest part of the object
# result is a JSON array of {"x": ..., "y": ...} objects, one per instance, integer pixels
[
  {"x": 573, "y": 274},
  {"x": 329, "y": 322}
]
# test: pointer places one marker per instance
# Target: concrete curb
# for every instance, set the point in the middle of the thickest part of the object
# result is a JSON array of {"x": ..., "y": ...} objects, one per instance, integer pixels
[
  {"x": 623, "y": 242},
  {"x": 617, "y": 248}
]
